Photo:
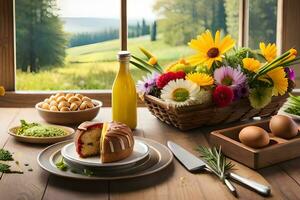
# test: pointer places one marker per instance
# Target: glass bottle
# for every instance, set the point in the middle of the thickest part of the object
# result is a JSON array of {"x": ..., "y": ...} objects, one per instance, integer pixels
[{"x": 124, "y": 97}]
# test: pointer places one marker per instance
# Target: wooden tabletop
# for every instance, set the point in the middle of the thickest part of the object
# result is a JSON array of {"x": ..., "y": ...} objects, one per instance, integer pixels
[{"x": 172, "y": 183}]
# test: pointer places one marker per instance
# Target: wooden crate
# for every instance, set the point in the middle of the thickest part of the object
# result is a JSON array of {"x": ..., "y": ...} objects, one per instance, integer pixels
[{"x": 278, "y": 150}]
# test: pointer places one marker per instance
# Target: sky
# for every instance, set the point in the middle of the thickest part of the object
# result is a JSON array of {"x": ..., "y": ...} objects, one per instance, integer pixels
[{"x": 106, "y": 8}]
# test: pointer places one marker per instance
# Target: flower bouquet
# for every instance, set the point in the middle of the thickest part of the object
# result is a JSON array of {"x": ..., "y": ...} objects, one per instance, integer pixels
[{"x": 219, "y": 84}]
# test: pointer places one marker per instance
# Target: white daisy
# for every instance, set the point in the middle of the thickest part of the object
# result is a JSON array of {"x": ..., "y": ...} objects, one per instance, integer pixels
[{"x": 180, "y": 92}]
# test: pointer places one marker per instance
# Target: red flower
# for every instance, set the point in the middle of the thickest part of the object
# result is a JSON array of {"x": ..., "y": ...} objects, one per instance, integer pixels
[
  {"x": 223, "y": 95},
  {"x": 164, "y": 79},
  {"x": 180, "y": 75}
]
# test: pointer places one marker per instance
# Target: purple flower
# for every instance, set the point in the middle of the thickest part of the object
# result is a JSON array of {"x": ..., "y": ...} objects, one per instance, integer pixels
[
  {"x": 240, "y": 91},
  {"x": 144, "y": 86},
  {"x": 229, "y": 76},
  {"x": 290, "y": 73}
]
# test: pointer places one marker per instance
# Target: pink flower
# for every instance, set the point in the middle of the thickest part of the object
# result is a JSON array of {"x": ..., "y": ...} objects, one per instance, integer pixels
[{"x": 229, "y": 76}]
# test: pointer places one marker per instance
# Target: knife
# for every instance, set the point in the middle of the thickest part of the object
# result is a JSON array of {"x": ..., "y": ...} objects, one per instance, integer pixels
[{"x": 194, "y": 164}]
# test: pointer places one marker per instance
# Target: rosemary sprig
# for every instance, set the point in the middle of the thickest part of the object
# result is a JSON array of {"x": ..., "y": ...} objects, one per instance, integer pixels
[{"x": 215, "y": 161}]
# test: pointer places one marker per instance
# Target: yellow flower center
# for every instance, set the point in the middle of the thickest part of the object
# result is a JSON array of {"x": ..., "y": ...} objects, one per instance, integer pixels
[
  {"x": 180, "y": 95},
  {"x": 213, "y": 52}
]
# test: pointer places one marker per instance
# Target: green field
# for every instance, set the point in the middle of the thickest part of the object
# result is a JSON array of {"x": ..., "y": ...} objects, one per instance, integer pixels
[{"x": 94, "y": 66}]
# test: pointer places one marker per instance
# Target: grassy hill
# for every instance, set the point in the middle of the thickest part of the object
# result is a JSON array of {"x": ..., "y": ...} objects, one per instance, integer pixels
[{"x": 94, "y": 66}]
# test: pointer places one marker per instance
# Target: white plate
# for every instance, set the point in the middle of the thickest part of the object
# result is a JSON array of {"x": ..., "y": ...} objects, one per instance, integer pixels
[
  {"x": 140, "y": 151},
  {"x": 160, "y": 158}
]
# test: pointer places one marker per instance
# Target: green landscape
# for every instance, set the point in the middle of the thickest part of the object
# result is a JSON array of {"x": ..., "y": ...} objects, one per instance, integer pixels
[
  {"x": 59, "y": 53},
  {"x": 95, "y": 66}
]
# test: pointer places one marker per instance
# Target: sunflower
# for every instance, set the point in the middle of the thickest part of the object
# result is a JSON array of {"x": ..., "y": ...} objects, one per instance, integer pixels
[
  {"x": 269, "y": 51},
  {"x": 180, "y": 92},
  {"x": 279, "y": 80},
  {"x": 209, "y": 49},
  {"x": 251, "y": 64},
  {"x": 200, "y": 79}
]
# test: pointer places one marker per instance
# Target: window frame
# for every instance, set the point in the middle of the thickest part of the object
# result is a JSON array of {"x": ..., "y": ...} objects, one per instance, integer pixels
[{"x": 15, "y": 98}]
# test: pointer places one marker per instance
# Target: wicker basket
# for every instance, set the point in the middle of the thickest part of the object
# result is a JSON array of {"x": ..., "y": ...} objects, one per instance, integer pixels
[{"x": 190, "y": 117}]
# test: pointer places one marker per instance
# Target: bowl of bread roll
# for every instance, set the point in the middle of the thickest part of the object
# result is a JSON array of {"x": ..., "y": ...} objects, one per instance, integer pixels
[{"x": 68, "y": 108}]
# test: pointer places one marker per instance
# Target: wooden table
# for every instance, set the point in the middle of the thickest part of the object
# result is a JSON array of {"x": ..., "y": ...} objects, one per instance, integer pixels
[{"x": 172, "y": 183}]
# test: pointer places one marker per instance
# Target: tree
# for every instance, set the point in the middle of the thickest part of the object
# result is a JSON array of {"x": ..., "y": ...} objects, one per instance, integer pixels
[
  {"x": 183, "y": 20},
  {"x": 40, "y": 38},
  {"x": 145, "y": 29},
  {"x": 153, "y": 31},
  {"x": 138, "y": 30}
]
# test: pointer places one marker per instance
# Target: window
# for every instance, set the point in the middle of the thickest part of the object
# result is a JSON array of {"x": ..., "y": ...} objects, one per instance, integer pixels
[
  {"x": 236, "y": 23},
  {"x": 71, "y": 45},
  {"x": 262, "y": 22}
]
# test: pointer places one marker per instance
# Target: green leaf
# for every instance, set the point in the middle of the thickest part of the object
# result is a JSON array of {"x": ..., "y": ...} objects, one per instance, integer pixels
[
  {"x": 147, "y": 64},
  {"x": 141, "y": 67},
  {"x": 62, "y": 165},
  {"x": 260, "y": 97}
]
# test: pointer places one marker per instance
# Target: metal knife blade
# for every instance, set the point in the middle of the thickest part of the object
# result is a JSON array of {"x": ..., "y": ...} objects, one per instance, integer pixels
[{"x": 191, "y": 162}]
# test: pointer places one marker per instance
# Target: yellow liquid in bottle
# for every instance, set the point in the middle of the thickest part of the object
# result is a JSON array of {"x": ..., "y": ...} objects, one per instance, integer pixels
[{"x": 124, "y": 98}]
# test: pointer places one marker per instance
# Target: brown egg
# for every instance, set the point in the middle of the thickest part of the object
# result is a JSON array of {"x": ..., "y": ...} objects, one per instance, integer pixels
[
  {"x": 254, "y": 136},
  {"x": 283, "y": 126}
]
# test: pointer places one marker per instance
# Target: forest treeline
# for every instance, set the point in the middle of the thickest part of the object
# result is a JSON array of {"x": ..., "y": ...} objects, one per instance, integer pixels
[{"x": 140, "y": 29}]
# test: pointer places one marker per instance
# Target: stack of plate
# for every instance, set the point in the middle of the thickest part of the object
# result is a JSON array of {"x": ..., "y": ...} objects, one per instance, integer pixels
[{"x": 148, "y": 157}]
